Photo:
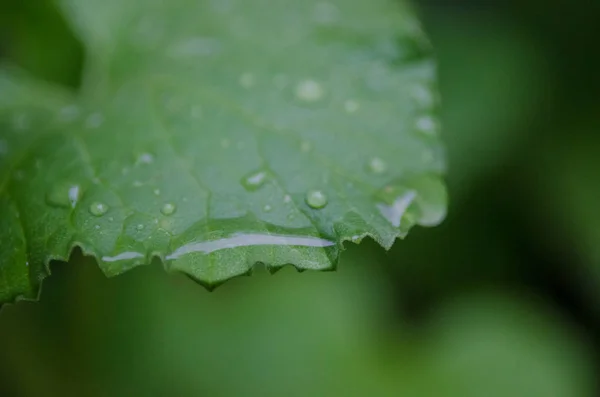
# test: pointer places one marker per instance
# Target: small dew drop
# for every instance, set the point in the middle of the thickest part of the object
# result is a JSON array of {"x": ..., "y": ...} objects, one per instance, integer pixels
[
  {"x": 137, "y": 184},
  {"x": 426, "y": 124},
  {"x": 267, "y": 208},
  {"x": 287, "y": 199},
  {"x": 156, "y": 192},
  {"x": 316, "y": 199},
  {"x": 94, "y": 120},
  {"x": 247, "y": 80},
  {"x": 63, "y": 195},
  {"x": 309, "y": 91},
  {"x": 255, "y": 180},
  {"x": 110, "y": 219},
  {"x": 351, "y": 106},
  {"x": 377, "y": 165},
  {"x": 145, "y": 158},
  {"x": 26, "y": 263},
  {"x": 139, "y": 227},
  {"x": 168, "y": 209},
  {"x": 98, "y": 209},
  {"x": 97, "y": 227}
]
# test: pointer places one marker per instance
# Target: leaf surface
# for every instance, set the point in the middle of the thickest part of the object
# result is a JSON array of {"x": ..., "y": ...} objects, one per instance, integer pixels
[{"x": 218, "y": 134}]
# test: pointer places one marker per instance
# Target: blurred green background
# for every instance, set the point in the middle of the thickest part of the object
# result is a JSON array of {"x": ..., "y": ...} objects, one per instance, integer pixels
[{"x": 503, "y": 299}]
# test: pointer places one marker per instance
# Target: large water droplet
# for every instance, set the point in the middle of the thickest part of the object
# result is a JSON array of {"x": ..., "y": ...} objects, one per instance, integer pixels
[
  {"x": 309, "y": 91},
  {"x": 255, "y": 180},
  {"x": 98, "y": 208},
  {"x": 393, "y": 213},
  {"x": 377, "y": 165},
  {"x": 316, "y": 199},
  {"x": 168, "y": 209},
  {"x": 63, "y": 195}
]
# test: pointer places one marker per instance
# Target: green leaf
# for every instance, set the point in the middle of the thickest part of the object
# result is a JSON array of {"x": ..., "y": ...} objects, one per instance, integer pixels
[{"x": 218, "y": 134}]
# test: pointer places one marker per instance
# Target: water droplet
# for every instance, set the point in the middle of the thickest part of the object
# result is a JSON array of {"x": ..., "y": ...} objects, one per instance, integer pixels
[
  {"x": 247, "y": 80},
  {"x": 156, "y": 192},
  {"x": 255, "y": 180},
  {"x": 137, "y": 184},
  {"x": 168, "y": 209},
  {"x": 316, "y": 199},
  {"x": 377, "y": 165},
  {"x": 351, "y": 106},
  {"x": 309, "y": 91},
  {"x": 145, "y": 158},
  {"x": 139, "y": 227},
  {"x": 287, "y": 199},
  {"x": 98, "y": 209},
  {"x": 427, "y": 125},
  {"x": 110, "y": 219},
  {"x": 63, "y": 195},
  {"x": 74, "y": 195},
  {"x": 393, "y": 213},
  {"x": 94, "y": 120},
  {"x": 267, "y": 208},
  {"x": 97, "y": 227},
  {"x": 26, "y": 263}
]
